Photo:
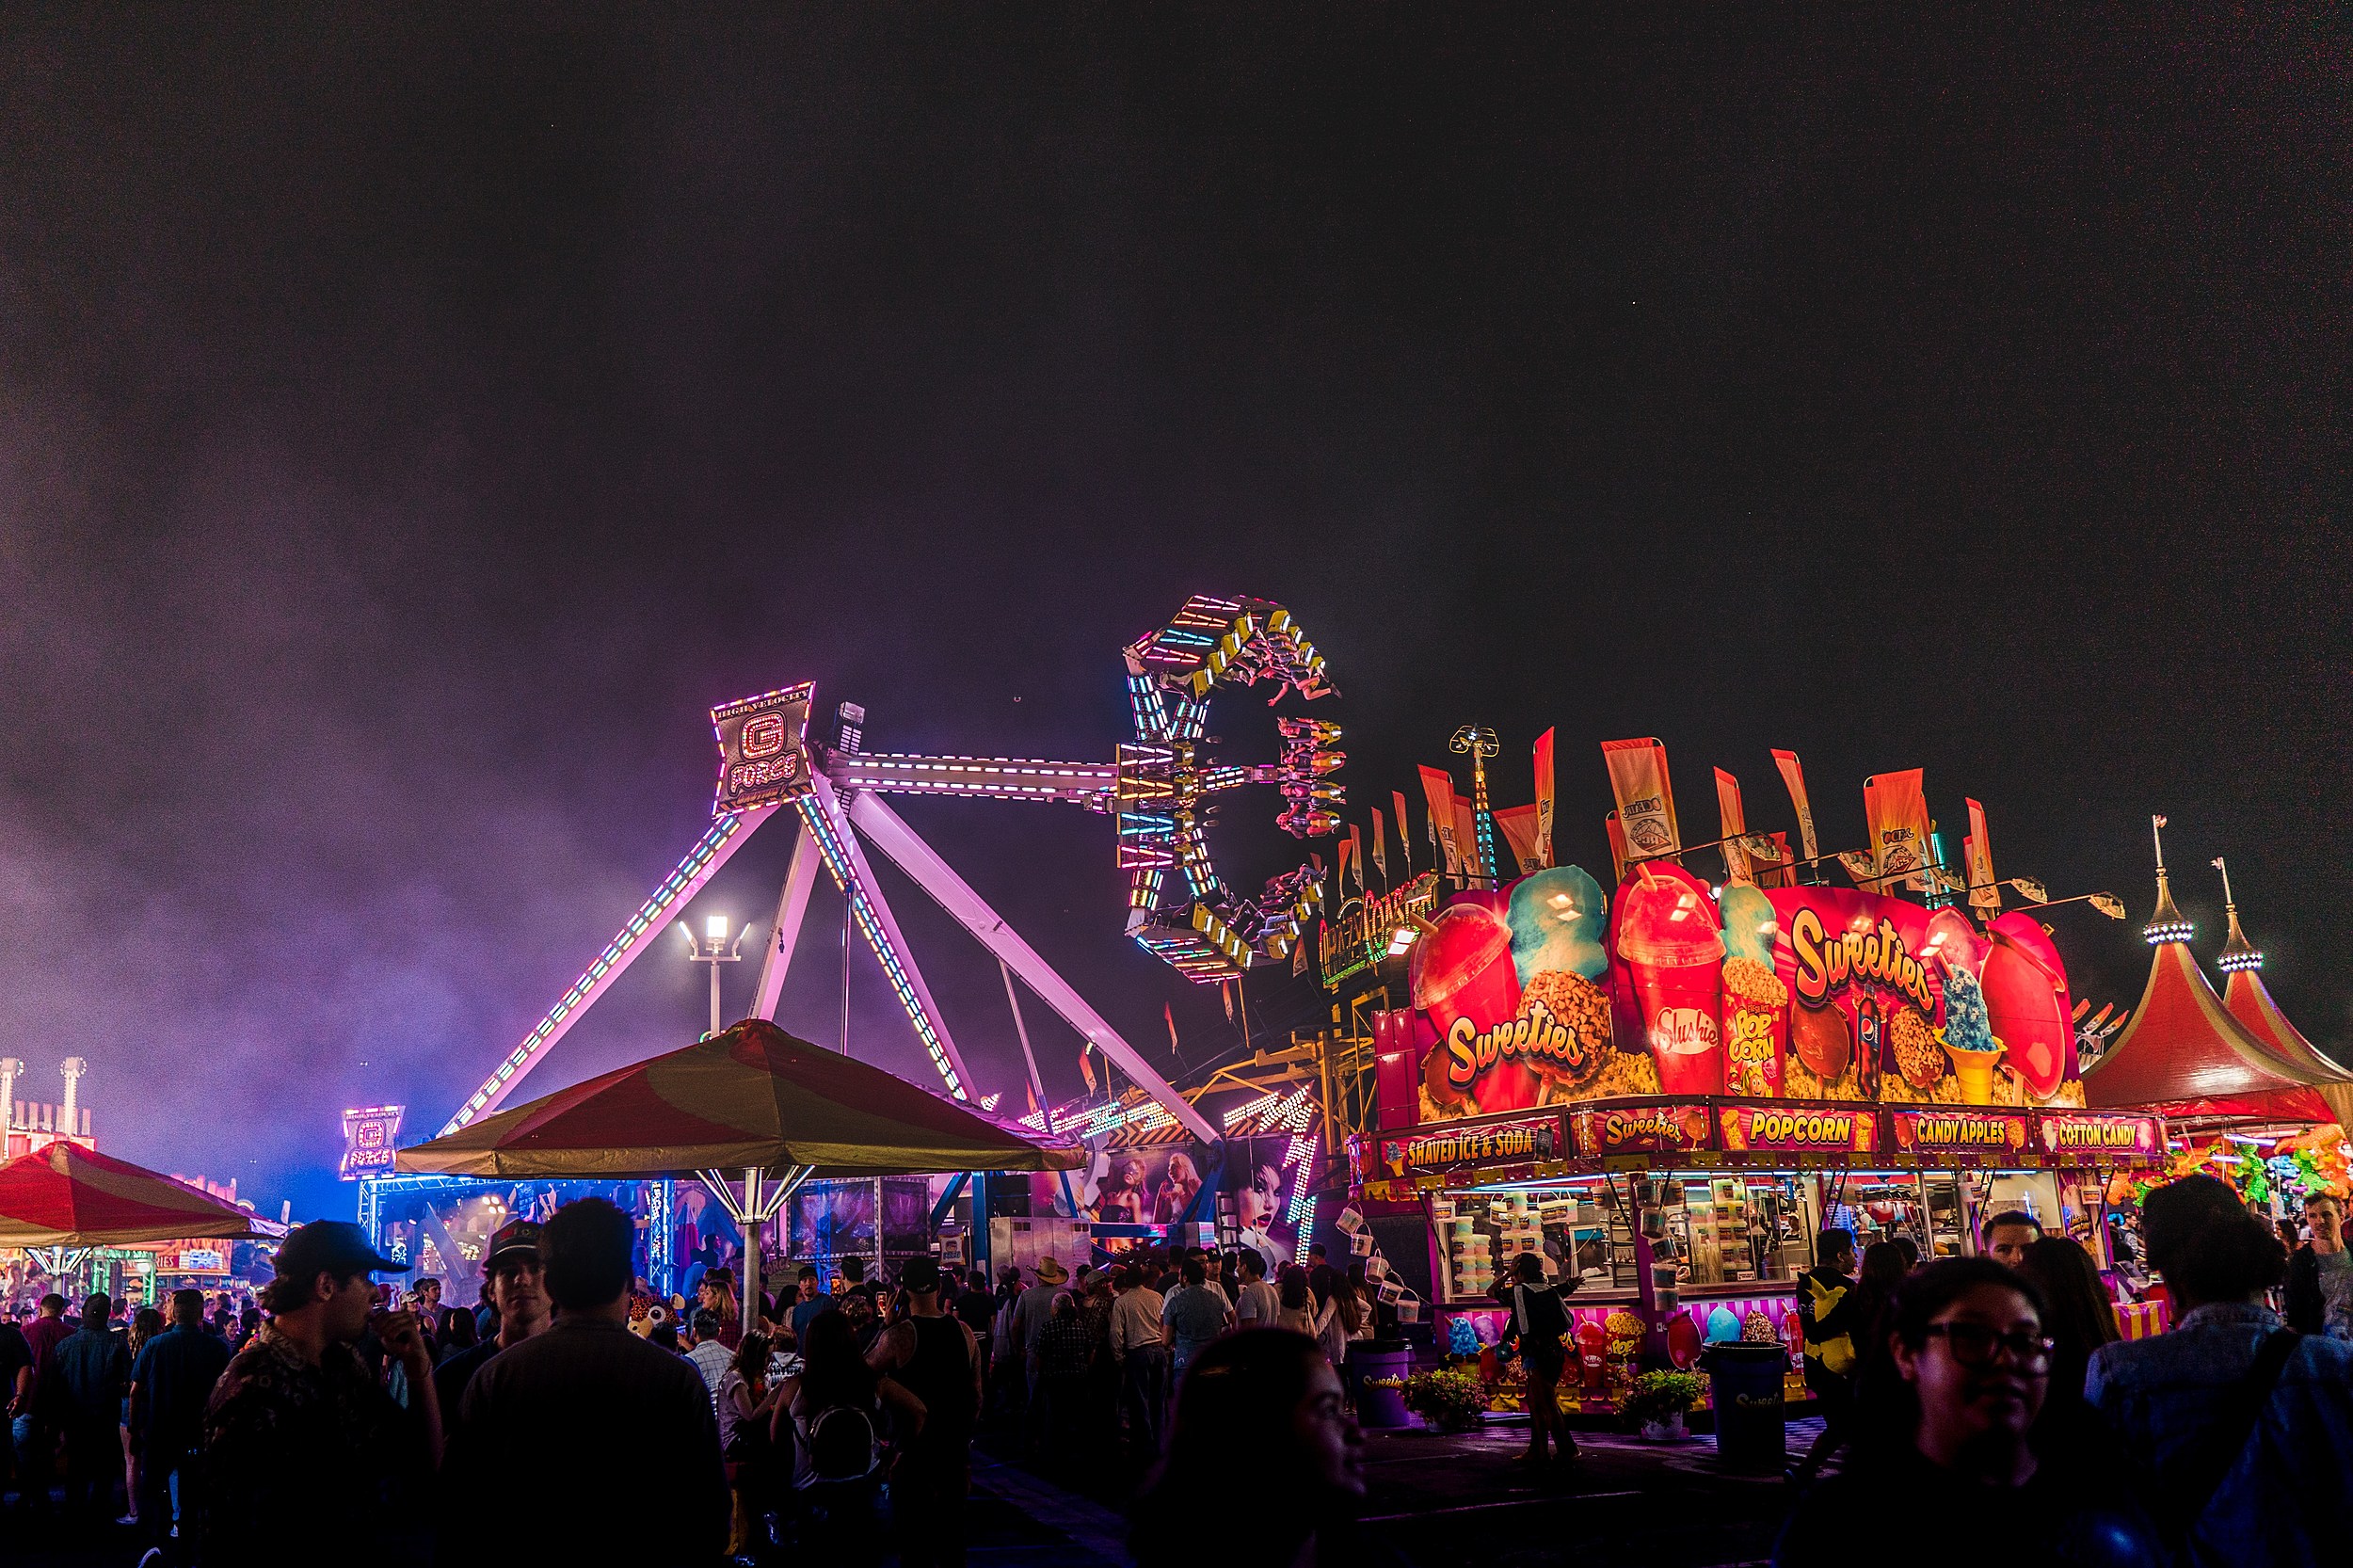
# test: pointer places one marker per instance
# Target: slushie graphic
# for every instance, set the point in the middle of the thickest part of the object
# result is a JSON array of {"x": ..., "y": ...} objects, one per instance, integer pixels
[
  {"x": 1670, "y": 943},
  {"x": 1464, "y": 980}
]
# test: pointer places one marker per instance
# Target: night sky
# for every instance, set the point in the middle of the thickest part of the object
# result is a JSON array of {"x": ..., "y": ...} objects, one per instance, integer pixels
[{"x": 410, "y": 428}]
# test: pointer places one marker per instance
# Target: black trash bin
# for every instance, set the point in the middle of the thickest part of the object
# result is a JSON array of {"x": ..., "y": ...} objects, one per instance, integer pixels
[{"x": 1744, "y": 1386}]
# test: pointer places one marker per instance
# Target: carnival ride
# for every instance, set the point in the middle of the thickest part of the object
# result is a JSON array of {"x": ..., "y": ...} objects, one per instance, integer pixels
[{"x": 1158, "y": 789}]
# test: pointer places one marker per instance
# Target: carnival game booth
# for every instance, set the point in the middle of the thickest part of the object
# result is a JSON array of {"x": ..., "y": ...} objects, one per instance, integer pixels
[{"x": 1666, "y": 1095}]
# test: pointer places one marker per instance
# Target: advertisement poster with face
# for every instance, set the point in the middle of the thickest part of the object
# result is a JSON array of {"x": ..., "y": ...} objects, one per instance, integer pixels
[
  {"x": 1259, "y": 1179},
  {"x": 1152, "y": 1186}
]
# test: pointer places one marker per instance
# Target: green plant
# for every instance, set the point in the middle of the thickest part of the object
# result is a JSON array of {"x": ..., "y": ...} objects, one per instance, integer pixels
[
  {"x": 1449, "y": 1399},
  {"x": 1660, "y": 1396}
]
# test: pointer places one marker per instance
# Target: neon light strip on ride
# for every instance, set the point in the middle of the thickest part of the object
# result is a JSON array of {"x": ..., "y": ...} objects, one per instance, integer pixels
[
  {"x": 838, "y": 861},
  {"x": 682, "y": 884}
]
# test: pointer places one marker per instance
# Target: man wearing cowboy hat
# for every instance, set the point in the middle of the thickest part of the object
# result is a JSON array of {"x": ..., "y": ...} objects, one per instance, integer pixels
[{"x": 1031, "y": 1311}]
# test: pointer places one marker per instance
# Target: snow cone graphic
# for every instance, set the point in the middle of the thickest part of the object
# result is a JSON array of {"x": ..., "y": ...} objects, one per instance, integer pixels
[
  {"x": 1669, "y": 941},
  {"x": 1463, "y": 978}
]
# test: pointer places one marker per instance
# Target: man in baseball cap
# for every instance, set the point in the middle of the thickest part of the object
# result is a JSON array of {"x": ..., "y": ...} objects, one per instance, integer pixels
[
  {"x": 300, "y": 1442},
  {"x": 519, "y": 1290}
]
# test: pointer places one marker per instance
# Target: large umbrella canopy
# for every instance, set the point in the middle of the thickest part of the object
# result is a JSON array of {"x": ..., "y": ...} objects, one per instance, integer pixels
[
  {"x": 752, "y": 1098},
  {"x": 66, "y": 1195}
]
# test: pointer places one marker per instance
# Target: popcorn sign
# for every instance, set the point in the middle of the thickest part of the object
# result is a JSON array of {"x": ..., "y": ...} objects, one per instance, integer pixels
[{"x": 1798, "y": 1130}]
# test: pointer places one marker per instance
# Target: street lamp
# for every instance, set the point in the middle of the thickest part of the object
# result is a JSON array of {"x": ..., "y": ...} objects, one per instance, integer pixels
[{"x": 714, "y": 949}]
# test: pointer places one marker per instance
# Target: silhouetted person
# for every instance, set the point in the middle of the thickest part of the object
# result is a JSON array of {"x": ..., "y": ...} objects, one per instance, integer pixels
[
  {"x": 302, "y": 1443},
  {"x": 93, "y": 1372},
  {"x": 1959, "y": 1482},
  {"x": 612, "y": 1440},
  {"x": 1266, "y": 1400},
  {"x": 2246, "y": 1427},
  {"x": 936, "y": 1358},
  {"x": 170, "y": 1383}
]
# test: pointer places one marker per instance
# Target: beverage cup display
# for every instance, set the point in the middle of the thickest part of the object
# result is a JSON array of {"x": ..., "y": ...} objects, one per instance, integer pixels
[
  {"x": 1669, "y": 941},
  {"x": 1462, "y": 970}
]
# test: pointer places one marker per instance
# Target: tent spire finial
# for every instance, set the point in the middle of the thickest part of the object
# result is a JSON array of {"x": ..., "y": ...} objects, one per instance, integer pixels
[
  {"x": 2238, "y": 953},
  {"x": 2166, "y": 923}
]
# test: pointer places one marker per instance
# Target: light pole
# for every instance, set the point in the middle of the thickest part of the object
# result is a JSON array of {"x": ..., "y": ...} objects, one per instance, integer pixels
[
  {"x": 714, "y": 949},
  {"x": 1480, "y": 743}
]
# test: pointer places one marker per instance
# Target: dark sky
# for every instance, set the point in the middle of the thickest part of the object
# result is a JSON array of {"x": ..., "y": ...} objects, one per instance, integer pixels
[{"x": 409, "y": 426}]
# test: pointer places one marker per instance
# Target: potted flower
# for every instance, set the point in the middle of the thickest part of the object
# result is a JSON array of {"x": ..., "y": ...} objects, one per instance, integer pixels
[
  {"x": 1448, "y": 1398},
  {"x": 1658, "y": 1400}
]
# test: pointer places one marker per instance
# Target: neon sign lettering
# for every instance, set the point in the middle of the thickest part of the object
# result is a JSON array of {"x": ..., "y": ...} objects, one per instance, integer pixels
[{"x": 1825, "y": 963}]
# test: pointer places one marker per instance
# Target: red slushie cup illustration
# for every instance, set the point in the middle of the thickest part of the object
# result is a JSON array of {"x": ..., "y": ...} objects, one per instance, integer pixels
[
  {"x": 1461, "y": 972},
  {"x": 1669, "y": 941}
]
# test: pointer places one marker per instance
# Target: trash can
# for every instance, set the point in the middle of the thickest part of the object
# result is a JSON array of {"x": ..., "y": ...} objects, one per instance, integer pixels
[
  {"x": 1381, "y": 1367},
  {"x": 1744, "y": 1384}
]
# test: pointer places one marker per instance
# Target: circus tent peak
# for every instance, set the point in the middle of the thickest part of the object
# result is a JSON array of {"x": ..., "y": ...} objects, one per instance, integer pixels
[{"x": 2184, "y": 1055}]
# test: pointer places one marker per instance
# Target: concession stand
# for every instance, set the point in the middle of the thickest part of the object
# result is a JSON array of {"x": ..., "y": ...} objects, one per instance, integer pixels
[{"x": 1666, "y": 1093}]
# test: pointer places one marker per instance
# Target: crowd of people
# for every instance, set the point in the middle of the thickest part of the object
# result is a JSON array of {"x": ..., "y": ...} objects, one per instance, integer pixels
[
  {"x": 1991, "y": 1403},
  {"x": 1990, "y": 1396}
]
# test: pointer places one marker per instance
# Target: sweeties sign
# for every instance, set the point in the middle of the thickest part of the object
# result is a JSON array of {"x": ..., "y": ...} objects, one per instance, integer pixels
[
  {"x": 1641, "y": 1129},
  {"x": 1548, "y": 992}
]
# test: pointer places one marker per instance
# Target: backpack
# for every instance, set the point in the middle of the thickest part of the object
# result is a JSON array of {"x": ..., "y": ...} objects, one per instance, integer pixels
[
  {"x": 1838, "y": 1353},
  {"x": 843, "y": 1445}
]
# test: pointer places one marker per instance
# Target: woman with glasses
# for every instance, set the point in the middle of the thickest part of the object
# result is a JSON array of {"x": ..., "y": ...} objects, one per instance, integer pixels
[
  {"x": 1959, "y": 1481},
  {"x": 1271, "y": 1395}
]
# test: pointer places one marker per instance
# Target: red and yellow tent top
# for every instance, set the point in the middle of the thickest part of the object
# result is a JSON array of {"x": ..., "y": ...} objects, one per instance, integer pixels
[
  {"x": 2186, "y": 1058},
  {"x": 2248, "y": 1000},
  {"x": 749, "y": 1096},
  {"x": 66, "y": 1195}
]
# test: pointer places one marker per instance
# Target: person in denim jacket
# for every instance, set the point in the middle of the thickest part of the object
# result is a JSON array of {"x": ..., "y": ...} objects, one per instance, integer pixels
[{"x": 2286, "y": 1495}]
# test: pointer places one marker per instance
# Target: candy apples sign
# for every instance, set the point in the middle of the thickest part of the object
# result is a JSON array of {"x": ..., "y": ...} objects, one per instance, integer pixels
[{"x": 1991, "y": 1133}]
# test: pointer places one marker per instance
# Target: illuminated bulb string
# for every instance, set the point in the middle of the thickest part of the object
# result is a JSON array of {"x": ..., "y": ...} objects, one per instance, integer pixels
[{"x": 682, "y": 881}]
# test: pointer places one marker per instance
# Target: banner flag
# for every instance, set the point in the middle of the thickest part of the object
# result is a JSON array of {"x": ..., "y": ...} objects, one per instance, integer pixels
[
  {"x": 1380, "y": 850},
  {"x": 1405, "y": 832},
  {"x": 1734, "y": 825},
  {"x": 1356, "y": 850},
  {"x": 1976, "y": 852},
  {"x": 1517, "y": 823},
  {"x": 1543, "y": 798},
  {"x": 1086, "y": 1064},
  {"x": 1169, "y": 1012},
  {"x": 1437, "y": 786},
  {"x": 1646, "y": 802},
  {"x": 1793, "y": 774},
  {"x": 1466, "y": 835},
  {"x": 1348, "y": 852},
  {"x": 1896, "y": 811}
]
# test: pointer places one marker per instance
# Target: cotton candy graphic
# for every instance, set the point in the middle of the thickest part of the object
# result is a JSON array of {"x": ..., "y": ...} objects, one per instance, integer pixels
[
  {"x": 1749, "y": 924},
  {"x": 1558, "y": 917}
]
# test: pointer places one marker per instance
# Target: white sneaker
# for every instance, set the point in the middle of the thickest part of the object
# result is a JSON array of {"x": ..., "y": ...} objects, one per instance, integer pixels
[
  {"x": 153, "y": 1558},
  {"x": 128, "y": 1519}
]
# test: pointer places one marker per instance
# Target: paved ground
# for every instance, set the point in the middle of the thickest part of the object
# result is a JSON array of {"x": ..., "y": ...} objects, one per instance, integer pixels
[
  {"x": 1441, "y": 1502},
  {"x": 1444, "y": 1501}
]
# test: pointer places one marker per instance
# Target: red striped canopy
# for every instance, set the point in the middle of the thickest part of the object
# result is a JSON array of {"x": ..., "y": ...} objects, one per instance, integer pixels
[
  {"x": 751, "y": 1097},
  {"x": 66, "y": 1195}
]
